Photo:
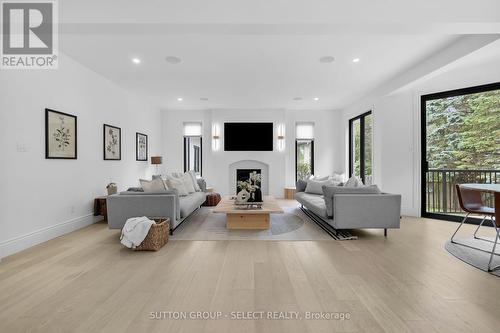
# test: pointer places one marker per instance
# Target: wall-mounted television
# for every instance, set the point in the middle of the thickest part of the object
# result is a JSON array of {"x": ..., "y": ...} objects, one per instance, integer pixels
[{"x": 248, "y": 136}]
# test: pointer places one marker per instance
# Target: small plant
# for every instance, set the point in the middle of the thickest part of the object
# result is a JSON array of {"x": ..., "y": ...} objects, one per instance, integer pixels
[
  {"x": 113, "y": 144},
  {"x": 62, "y": 135}
]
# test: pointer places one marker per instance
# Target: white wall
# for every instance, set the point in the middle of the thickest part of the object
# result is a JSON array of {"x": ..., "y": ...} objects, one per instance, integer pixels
[
  {"x": 281, "y": 164},
  {"x": 397, "y": 122},
  {"x": 43, "y": 198}
]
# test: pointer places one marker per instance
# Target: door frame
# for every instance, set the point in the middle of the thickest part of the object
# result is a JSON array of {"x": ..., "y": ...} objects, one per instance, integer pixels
[
  {"x": 424, "y": 165},
  {"x": 361, "y": 118}
]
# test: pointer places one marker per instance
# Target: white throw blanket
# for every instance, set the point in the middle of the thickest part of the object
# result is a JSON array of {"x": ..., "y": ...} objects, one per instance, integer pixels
[{"x": 135, "y": 230}]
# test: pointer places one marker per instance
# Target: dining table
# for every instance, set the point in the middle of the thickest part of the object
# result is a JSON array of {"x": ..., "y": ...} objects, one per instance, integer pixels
[{"x": 488, "y": 188}]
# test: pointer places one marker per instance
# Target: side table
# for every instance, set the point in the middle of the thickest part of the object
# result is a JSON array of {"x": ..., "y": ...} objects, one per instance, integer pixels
[
  {"x": 100, "y": 207},
  {"x": 290, "y": 192}
]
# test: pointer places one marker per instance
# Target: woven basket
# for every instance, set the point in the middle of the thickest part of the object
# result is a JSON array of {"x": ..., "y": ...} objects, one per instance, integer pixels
[{"x": 157, "y": 235}]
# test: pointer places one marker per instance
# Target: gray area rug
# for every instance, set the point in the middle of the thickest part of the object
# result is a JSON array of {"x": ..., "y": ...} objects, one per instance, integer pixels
[
  {"x": 475, "y": 252},
  {"x": 292, "y": 225}
]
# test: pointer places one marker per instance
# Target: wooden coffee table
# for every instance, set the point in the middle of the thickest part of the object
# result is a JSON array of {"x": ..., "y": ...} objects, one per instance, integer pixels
[{"x": 253, "y": 219}]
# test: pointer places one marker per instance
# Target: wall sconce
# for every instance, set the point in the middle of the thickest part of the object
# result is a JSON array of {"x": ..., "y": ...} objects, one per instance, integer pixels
[
  {"x": 281, "y": 137},
  {"x": 215, "y": 137}
]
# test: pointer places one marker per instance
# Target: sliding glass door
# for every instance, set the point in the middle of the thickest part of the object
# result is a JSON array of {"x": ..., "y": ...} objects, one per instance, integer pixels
[
  {"x": 460, "y": 144},
  {"x": 360, "y": 147}
]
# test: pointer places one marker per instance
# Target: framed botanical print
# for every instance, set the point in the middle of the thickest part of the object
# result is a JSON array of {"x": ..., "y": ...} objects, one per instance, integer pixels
[
  {"x": 112, "y": 143},
  {"x": 141, "y": 147},
  {"x": 60, "y": 135}
]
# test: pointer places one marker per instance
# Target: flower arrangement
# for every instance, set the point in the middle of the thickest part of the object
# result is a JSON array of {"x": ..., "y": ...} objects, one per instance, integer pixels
[{"x": 250, "y": 185}]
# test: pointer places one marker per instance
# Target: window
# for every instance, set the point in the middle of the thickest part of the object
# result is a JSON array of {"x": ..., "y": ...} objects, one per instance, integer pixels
[
  {"x": 460, "y": 144},
  {"x": 193, "y": 148},
  {"x": 360, "y": 147},
  {"x": 304, "y": 150}
]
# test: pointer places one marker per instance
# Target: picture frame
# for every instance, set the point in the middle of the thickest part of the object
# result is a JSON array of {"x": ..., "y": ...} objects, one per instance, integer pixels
[
  {"x": 61, "y": 137},
  {"x": 141, "y": 147},
  {"x": 112, "y": 143}
]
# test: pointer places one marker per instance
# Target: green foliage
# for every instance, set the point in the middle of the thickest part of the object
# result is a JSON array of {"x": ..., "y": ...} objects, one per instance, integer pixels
[
  {"x": 303, "y": 159},
  {"x": 463, "y": 132}
]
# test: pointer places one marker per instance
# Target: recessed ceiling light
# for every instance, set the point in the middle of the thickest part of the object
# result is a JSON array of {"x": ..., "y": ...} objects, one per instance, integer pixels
[
  {"x": 355, "y": 60},
  {"x": 297, "y": 98},
  {"x": 180, "y": 99},
  {"x": 316, "y": 98},
  {"x": 173, "y": 60},
  {"x": 136, "y": 60},
  {"x": 203, "y": 99},
  {"x": 326, "y": 59}
]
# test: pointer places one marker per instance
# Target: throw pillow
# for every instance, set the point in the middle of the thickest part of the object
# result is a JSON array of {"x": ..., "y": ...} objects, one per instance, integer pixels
[
  {"x": 315, "y": 187},
  {"x": 194, "y": 180},
  {"x": 354, "y": 182},
  {"x": 338, "y": 177},
  {"x": 300, "y": 186},
  {"x": 318, "y": 178},
  {"x": 330, "y": 191},
  {"x": 177, "y": 184},
  {"x": 155, "y": 185},
  {"x": 188, "y": 182}
]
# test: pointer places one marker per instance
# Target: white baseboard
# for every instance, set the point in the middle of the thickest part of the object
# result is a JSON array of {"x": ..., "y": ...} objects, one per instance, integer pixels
[{"x": 23, "y": 242}]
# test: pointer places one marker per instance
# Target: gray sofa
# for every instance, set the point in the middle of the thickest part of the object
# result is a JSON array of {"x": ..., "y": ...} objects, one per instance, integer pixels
[
  {"x": 165, "y": 204},
  {"x": 340, "y": 207}
]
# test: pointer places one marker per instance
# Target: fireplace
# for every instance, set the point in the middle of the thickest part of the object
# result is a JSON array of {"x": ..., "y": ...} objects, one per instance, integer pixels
[
  {"x": 244, "y": 175},
  {"x": 243, "y": 168}
]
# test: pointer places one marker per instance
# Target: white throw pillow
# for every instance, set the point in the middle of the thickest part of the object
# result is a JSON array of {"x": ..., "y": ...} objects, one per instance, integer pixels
[
  {"x": 188, "y": 182},
  {"x": 178, "y": 184},
  {"x": 354, "y": 182},
  {"x": 155, "y": 185},
  {"x": 316, "y": 187},
  {"x": 318, "y": 178},
  {"x": 338, "y": 177},
  {"x": 195, "y": 182}
]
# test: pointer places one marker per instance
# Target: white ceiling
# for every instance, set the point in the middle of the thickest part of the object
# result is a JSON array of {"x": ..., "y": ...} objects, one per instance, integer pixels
[{"x": 262, "y": 54}]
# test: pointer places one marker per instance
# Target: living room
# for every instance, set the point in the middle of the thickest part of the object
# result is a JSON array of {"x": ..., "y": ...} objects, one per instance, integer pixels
[{"x": 299, "y": 167}]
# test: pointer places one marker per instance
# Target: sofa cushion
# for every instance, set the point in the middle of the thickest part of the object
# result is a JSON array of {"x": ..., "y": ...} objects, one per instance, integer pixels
[
  {"x": 178, "y": 184},
  {"x": 188, "y": 183},
  {"x": 300, "y": 186},
  {"x": 202, "y": 184},
  {"x": 192, "y": 174},
  {"x": 354, "y": 182},
  {"x": 330, "y": 191},
  {"x": 315, "y": 186},
  {"x": 155, "y": 185},
  {"x": 313, "y": 202},
  {"x": 191, "y": 202},
  {"x": 318, "y": 178}
]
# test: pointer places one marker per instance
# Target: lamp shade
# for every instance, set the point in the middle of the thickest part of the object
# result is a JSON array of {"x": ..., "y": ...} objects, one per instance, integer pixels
[{"x": 155, "y": 159}]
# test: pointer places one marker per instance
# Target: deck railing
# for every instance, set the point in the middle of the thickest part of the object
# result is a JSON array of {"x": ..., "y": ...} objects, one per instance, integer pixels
[{"x": 441, "y": 196}]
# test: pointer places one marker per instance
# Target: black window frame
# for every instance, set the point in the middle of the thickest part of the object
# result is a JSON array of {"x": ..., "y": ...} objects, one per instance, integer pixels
[
  {"x": 424, "y": 164},
  {"x": 296, "y": 155},
  {"x": 362, "y": 147},
  {"x": 186, "y": 153}
]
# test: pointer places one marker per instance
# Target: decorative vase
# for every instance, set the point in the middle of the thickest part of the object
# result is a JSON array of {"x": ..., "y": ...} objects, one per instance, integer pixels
[
  {"x": 252, "y": 197},
  {"x": 258, "y": 195},
  {"x": 242, "y": 196}
]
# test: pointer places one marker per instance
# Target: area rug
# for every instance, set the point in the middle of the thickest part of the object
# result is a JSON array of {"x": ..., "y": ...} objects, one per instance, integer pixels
[
  {"x": 475, "y": 252},
  {"x": 292, "y": 225}
]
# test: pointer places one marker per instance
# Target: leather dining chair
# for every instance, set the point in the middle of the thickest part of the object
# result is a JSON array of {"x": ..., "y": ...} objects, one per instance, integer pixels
[{"x": 471, "y": 202}]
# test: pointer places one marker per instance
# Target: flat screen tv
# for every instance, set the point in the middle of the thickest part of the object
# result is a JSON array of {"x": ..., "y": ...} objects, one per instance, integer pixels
[{"x": 248, "y": 136}]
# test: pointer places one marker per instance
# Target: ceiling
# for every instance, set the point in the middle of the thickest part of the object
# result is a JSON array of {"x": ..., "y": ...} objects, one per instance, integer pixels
[{"x": 262, "y": 54}]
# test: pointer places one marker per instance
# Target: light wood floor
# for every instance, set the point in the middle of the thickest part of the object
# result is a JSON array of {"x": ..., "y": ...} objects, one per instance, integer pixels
[{"x": 87, "y": 282}]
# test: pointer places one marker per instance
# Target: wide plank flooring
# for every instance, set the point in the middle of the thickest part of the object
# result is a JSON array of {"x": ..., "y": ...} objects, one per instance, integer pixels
[{"x": 86, "y": 282}]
